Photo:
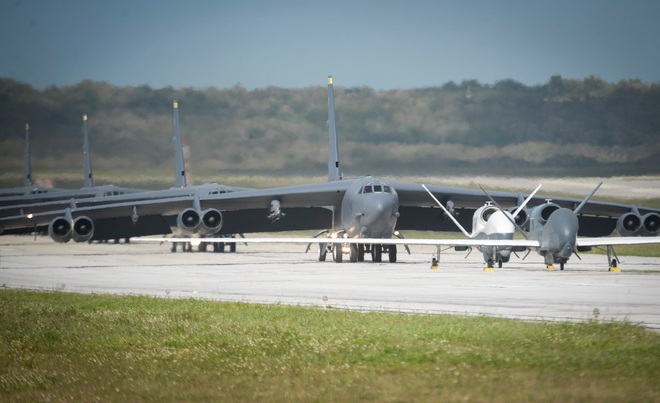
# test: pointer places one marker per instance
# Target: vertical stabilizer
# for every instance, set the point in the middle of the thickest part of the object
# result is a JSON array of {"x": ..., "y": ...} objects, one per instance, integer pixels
[
  {"x": 180, "y": 170},
  {"x": 334, "y": 172},
  {"x": 89, "y": 178},
  {"x": 27, "y": 180}
]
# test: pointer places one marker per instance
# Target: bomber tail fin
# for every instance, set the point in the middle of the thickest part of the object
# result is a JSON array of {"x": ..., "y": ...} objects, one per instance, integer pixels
[
  {"x": 89, "y": 179},
  {"x": 27, "y": 179},
  {"x": 180, "y": 170},
  {"x": 334, "y": 171}
]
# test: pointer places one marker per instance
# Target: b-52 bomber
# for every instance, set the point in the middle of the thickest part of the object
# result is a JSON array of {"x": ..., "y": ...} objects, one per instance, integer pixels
[
  {"x": 27, "y": 206},
  {"x": 28, "y": 214},
  {"x": 55, "y": 195},
  {"x": 347, "y": 211}
]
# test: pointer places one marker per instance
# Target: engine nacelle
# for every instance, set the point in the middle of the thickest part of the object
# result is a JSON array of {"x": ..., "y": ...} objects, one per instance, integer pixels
[
  {"x": 632, "y": 224},
  {"x": 211, "y": 221},
  {"x": 59, "y": 230},
  {"x": 83, "y": 229},
  {"x": 540, "y": 214},
  {"x": 650, "y": 224},
  {"x": 189, "y": 220},
  {"x": 629, "y": 224}
]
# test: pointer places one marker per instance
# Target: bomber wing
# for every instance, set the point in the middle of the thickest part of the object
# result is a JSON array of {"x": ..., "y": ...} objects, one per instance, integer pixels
[{"x": 239, "y": 207}]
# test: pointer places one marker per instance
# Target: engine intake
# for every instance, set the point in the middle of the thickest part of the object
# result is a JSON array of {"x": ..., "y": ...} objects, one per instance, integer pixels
[
  {"x": 486, "y": 213},
  {"x": 629, "y": 224},
  {"x": 189, "y": 220},
  {"x": 59, "y": 230},
  {"x": 211, "y": 221},
  {"x": 540, "y": 214},
  {"x": 650, "y": 224},
  {"x": 83, "y": 229}
]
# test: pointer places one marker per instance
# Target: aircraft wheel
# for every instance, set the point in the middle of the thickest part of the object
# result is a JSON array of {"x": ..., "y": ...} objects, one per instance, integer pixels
[
  {"x": 202, "y": 247},
  {"x": 392, "y": 253},
  {"x": 377, "y": 253},
  {"x": 322, "y": 252},
  {"x": 354, "y": 253},
  {"x": 173, "y": 248},
  {"x": 489, "y": 263},
  {"x": 499, "y": 263},
  {"x": 360, "y": 256},
  {"x": 337, "y": 255},
  {"x": 232, "y": 247},
  {"x": 561, "y": 266}
]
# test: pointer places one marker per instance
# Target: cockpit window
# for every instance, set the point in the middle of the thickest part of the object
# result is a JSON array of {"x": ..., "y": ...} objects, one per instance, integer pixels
[{"x": 376, "y": 188}]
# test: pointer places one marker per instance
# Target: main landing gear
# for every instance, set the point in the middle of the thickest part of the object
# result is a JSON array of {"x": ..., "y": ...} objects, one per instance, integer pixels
[
  {"x": 356, "y": 252},
  {"x": 215, "y": 247}
]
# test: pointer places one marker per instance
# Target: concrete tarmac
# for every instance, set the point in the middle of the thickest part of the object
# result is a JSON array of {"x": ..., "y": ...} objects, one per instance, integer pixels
[{"x": 284, "y": 274}]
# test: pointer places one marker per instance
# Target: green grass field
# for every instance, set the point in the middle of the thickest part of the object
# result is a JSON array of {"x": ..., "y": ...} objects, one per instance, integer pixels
[{"x": 61, "y": 346}]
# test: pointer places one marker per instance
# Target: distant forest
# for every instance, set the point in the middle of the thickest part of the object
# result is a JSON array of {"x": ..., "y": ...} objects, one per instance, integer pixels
[{"x": 562, "y": 127}]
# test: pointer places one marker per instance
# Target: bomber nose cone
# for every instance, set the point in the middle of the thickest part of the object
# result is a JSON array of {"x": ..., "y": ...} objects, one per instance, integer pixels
[{"x": 379, "y": 219}]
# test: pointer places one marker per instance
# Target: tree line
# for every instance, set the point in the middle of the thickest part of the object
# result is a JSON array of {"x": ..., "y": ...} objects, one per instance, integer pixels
[{"x": 564, "y": 124}]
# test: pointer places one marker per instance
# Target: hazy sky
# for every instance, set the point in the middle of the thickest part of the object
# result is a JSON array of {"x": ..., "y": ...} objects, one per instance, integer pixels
[{"x": 382, "y": 44}]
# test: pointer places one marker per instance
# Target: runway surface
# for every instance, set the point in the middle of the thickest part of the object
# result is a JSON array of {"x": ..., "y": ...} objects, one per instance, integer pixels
[{"x": 284, "y": 274}]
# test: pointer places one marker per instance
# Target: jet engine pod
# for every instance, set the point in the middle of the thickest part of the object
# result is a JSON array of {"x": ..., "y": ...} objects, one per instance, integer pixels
[
  {"x": 83, "y": 229},
  {"x": 650, "y": 224},
  {"x": 629, "y": 224},
  {"x": 211, "y": 221},
  {"x": 59, "y": 230},
  {"x": 189, "y": 220}
]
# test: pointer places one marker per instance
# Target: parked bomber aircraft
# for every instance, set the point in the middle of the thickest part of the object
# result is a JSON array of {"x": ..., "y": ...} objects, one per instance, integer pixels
[
  {"x": 88, "y": 189},
  {"x": 346, "y": 211},
  {"x": 552, "y": 232},
  {"x": 91, "y": 195}
]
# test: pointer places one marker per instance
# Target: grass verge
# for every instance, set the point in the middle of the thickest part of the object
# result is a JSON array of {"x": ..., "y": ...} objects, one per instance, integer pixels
[{"x": 60, "y": 346}]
